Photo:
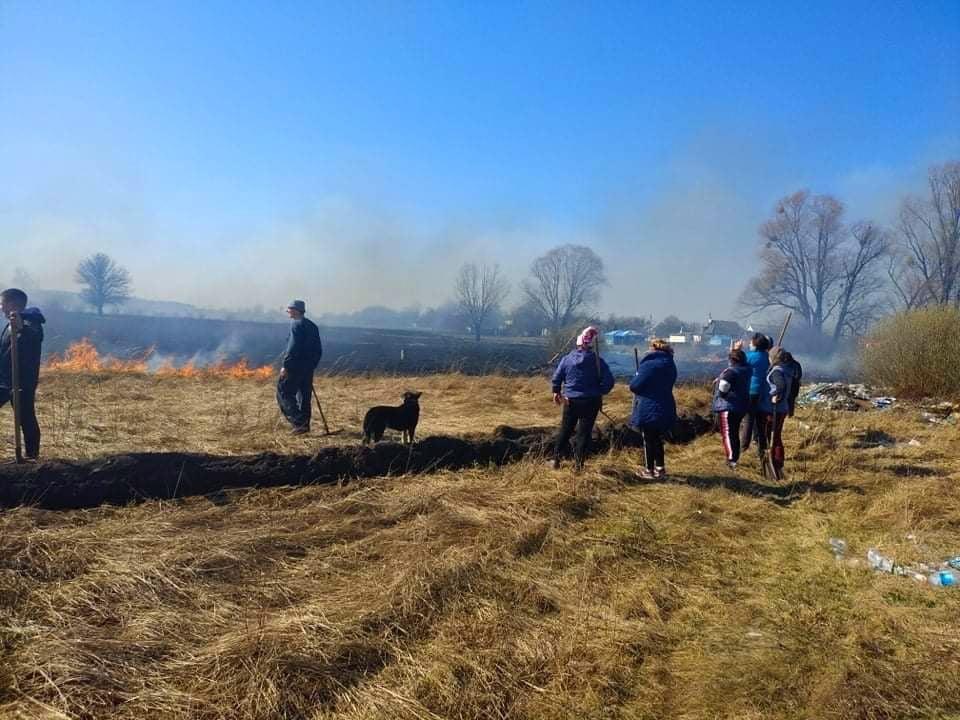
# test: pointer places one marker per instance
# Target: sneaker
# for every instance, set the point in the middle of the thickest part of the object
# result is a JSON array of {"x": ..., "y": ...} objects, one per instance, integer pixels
[
  {"x": 555, "y": 463},
  {"x": 732, "y": 465},
  {"x": 646, "y": 474},
  {"x": 660, "y": 472},
  {"x": 303, "y": 430}
]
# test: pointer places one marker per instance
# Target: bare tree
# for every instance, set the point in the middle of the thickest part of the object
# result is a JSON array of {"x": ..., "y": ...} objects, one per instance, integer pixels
[
  {"x": 564, "y": 283},
  {"x": 106, "y": 283},
  {"x": 926, "y": 267},
  {"x": 815, "y": 265},
  {"x": 479, "y": 293}
]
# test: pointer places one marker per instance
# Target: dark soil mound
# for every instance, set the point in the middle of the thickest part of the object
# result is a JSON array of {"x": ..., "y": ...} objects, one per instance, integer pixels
[{"x": 121, "y": 479}]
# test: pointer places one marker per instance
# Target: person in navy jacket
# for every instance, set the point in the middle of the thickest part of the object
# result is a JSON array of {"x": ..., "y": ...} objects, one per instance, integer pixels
[
  {"x": 731, "y": 401},
  {"x": 776, "y": 404},
  {"x": 579, "y": 383},
  {"x": 654, "y": 409}
]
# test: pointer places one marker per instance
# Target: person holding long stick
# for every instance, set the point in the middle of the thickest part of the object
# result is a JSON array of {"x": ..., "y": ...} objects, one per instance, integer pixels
[
  {"x": 654, "y": 407},
  {"x": 300, "y": 359},
  {"x": 579, "y": 383},
  {"x": 776, "y": 405},
  {"x": 27, "y": 326}
]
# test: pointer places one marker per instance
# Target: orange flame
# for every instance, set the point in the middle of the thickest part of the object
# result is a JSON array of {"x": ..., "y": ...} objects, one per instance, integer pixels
[{"x": 82, "y": 356}]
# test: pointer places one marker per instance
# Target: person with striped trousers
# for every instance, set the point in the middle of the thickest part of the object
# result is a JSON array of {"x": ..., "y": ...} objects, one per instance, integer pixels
[{"x": 731, "y": 403}]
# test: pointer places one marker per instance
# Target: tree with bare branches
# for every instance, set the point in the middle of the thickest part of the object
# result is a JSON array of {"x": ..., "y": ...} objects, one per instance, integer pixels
[
  {"x": 564, "y": 283},
  {"x": 479, "y": 293},
  {"x": 817, "y": 266},
  {"x": 925, "y": 269},
  {"x": 106, "y": 283}
]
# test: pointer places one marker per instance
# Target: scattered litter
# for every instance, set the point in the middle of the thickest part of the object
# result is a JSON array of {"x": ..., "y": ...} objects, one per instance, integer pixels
[
  {"x": 921, "y": 572},
  {"x": 940, "y": 413},
  {"x": 914, "y": 443},
  {"x": 874, "y": 439},
  {"x": 935, "y": 419},
  {"x": 939, "y": 575},
  {"x": 754, "y": 634},
  {"x": 844, "y": 396},
  {"x": 839, "y": 546},
  {"x": 806, "y": 426}
]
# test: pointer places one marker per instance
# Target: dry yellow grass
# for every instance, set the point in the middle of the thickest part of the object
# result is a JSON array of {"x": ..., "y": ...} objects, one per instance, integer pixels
[{"x": 514, "y": 592}]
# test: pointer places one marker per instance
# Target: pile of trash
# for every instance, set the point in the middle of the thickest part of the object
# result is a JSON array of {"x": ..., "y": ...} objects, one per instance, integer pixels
[
  {"x": 843, "y": 396},
  {"x": 943, "y": 574}
]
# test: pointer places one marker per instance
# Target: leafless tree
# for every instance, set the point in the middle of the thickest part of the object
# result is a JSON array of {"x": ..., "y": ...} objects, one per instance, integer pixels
[
  {"x": 814, "y": 264},
  {"x": 479, "y": 293},
  {"x": 564, "y": 283},
  {"x": 106, "y": 283},
  {"x": 925, "y": 270}
]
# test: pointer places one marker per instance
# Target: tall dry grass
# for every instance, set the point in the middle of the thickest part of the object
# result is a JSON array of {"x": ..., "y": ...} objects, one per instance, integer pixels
[
  {"x": 917, "y": 353},
  {"x": 514, "y": 592}
]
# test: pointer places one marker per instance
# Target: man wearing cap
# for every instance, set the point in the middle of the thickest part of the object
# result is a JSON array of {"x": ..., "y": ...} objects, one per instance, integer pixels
[{"x": 300, "y": 359}]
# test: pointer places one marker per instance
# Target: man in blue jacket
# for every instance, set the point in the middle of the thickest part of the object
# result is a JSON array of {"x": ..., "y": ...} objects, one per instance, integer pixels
[
  {"x": 579, "y": 383},
  {"x": 300, "y": 359},
  {"x": 13, "y": 304}
]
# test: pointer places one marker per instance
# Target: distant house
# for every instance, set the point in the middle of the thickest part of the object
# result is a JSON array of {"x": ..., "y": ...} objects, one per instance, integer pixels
[
  {"x": 721, "y": 332},
  {"x": 624, "y": 337}
]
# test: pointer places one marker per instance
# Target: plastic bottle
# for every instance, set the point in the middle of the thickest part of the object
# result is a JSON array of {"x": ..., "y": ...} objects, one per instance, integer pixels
[
  {"x": 954, "y": 562},
  {"x": 839, "y": 546},
  {"x": 878, "y": 561},
  {"x": 943, "y": 578}
]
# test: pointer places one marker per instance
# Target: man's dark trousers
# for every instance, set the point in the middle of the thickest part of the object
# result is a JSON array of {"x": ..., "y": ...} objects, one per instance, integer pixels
[
  {"x": 293, "y": 396},
  {"x": 579, "y": 413},
  {"x": 28, "y": 418}
]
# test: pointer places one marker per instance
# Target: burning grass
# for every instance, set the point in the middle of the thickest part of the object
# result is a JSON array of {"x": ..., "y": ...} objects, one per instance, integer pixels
[
  {"x": 83, "y": 357},
  {"x": 513, "y": 592}
]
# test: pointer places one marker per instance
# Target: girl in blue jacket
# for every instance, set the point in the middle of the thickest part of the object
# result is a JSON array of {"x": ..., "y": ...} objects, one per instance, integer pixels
[
  {"x": 579, "y": 383},
  {"x": 731, "y": 401},
  {"x": 654, "y": 409},
  {"x": 759, "y": 362}
]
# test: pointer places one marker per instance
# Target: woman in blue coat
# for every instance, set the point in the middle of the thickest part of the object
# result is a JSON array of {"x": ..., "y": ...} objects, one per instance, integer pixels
[
  {"x": 654, "y": 409},
  {"x": 731, "y": 400},
  {"x": 579, "y": 383}
]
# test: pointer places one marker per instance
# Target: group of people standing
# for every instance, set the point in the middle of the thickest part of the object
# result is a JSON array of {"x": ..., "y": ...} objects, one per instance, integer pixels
[{"x": 752, "y": 398}]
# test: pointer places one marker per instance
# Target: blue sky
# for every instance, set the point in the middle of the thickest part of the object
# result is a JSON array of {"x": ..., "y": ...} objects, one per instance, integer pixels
[{"x": 233, "y": 153}]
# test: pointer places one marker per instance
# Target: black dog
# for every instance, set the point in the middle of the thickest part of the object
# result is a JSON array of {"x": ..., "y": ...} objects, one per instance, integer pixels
[{"x": 402, "y": 418}]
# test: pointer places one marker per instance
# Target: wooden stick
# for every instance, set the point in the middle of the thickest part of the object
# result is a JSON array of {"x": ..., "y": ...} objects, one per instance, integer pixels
[
  {"x": 15, "y": 392},
  {"x": 326, "y": 429},
  {"x": 564, "y": 347},
  {"x": 783, "y": 330}
]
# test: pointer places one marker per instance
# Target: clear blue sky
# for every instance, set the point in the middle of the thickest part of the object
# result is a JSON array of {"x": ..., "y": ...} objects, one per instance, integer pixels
[{"x": 233, "y": 153}]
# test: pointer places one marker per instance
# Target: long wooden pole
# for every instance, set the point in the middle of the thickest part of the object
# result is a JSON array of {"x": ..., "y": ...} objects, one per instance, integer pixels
[
  {"x": 786, "y": 324},
  {"x": 326, "y": 429},
  {"x": 15, "y": 392}
]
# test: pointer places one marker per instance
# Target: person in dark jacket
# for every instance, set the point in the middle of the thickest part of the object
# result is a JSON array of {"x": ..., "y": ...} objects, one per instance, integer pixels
[
  {"x": 731, "y": 401},
  {"x": 579, "y": 383},
  {"x": 300, "y": 359},
  {"x": 759, "y": 361},
  {"x": 775, "y": 406},
  {"x": 654, "y": 409},
  {"x": 13, "y": 304}
]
